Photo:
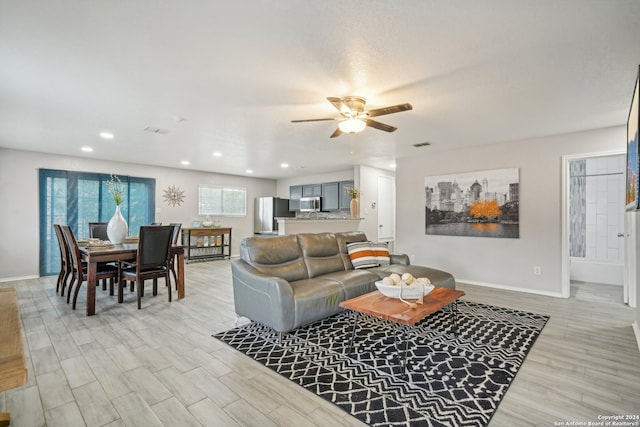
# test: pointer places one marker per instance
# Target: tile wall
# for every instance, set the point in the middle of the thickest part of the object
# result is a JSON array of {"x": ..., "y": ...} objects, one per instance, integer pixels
[{"x": 597, "y": 184}]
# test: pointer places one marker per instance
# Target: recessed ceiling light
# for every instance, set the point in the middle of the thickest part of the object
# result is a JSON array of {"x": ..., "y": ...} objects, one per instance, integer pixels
[
  {"x": 106, "y": 135},
  {"x": 185, "y": 162},
  {"x": 284, "y": 165},
  {"x": 249, "y": 170},
  {"x": 87, "y": 149},
  {"x": 217, "y": 154}
]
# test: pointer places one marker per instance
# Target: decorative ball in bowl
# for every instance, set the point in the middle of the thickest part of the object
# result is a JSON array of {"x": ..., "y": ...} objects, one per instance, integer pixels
[
  {"x": 405, "y": 286},
  {"x": 403, "y": 290}
]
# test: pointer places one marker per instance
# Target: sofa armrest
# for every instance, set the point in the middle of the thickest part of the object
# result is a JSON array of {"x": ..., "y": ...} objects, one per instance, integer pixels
[
  {"x": 401, "y": 259},
  {"x": 262, "y": 298}
]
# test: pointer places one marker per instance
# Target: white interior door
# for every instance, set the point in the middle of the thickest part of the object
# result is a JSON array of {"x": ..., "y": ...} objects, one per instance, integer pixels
[{"x": 386, "y": 208}]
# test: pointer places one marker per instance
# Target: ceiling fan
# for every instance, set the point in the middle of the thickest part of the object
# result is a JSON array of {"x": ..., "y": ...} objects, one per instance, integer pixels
[{"x": 353, "y": 118}]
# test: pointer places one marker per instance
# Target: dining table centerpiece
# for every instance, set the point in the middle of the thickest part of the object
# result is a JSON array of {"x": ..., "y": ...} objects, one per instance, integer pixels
[
  {"x": 117, "y": 227},
  {"x": 354, "y": 205}
]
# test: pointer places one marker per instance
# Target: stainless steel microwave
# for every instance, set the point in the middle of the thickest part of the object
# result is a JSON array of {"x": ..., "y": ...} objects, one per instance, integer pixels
[{"x": 310, "y": 204}]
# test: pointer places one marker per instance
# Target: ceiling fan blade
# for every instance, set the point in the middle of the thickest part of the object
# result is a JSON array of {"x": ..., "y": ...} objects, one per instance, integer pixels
[
  {"x": 311, "y": 120},
  {"x": 389, "y": 110},
  {"x": 338, "y": 132},
  {"x": 380, "y": 126},
  {"x": 339, "y": 104}
]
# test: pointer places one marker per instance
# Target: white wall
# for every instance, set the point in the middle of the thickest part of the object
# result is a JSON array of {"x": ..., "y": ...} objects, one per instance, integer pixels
[
  {"x": 19, "y": 207},
  {"x": 494, "y": 261}
]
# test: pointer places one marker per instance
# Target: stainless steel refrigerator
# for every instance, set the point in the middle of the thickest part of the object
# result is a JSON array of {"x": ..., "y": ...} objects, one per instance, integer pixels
[{"x": 267, "y": 209}]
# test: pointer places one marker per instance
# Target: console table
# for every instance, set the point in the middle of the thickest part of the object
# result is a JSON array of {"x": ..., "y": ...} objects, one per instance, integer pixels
[
  {"x": 13, "y": 366},
  {"x": 206, "y": 243}
]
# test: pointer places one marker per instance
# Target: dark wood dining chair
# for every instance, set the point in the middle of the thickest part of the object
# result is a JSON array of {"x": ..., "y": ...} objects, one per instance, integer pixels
[
  {"x": 79, "y": 270},
  {"x": 153, "y": 261},
  {"x": 98, "y": 230},
  {"x": 175, "y": 235},
  {"x": 66, "y": 269}
]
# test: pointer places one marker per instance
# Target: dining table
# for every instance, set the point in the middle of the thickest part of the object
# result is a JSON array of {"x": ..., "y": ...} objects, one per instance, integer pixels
[{"x": 116, "y": 253}]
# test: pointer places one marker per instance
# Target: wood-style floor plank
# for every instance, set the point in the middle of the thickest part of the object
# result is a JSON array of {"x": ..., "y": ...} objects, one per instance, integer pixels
[{"x": 159, "y": 366}]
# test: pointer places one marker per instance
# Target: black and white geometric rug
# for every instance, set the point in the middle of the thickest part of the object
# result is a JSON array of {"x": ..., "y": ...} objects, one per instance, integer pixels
[{"x": 447, "y": 381}]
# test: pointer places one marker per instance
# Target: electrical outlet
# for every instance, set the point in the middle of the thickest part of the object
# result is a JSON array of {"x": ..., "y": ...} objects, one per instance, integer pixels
[
  {"x": 412, "y": 258},
  {"x": 537, "y": 271}
]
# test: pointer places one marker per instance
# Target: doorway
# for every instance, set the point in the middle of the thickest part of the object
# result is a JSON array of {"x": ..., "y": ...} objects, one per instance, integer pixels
[
  {"x": 593, "y": 243},
  {"x": 386, "y": 206}
]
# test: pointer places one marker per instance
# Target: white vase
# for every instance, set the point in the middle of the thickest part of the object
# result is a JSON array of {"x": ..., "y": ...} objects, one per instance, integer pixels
[{"x": 117, "y": 228}]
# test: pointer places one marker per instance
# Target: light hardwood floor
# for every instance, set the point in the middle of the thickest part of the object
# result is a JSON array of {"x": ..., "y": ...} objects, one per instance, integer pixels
[{"x": 159, "y": 365}]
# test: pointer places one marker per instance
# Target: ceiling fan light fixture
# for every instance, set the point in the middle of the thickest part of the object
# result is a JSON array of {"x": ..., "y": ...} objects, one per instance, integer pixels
[{"x": 352, "y": 125}]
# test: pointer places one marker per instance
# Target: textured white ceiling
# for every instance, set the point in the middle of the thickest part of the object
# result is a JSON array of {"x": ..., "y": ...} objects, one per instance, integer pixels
[{"x": 476, "y": 72}]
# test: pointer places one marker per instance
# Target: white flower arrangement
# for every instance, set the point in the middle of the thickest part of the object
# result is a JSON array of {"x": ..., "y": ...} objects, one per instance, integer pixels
[{"x": 116, "y": 189}]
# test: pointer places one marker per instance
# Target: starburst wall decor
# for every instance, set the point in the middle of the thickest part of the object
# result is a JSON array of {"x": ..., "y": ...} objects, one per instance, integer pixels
[{"x": 173, "y": 196}]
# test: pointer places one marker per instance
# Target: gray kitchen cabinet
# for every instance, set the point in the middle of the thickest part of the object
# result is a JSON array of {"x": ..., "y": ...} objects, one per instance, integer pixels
[
  {"x": 311, "y": 190},
  {"x": 295, "y": 193},
  {"x": 345, "y": 198},
  {"x": 334, "y": 195},
  {"x": 330, "y": 196}
]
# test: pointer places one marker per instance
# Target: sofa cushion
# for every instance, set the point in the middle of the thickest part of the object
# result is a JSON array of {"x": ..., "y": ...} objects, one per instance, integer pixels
[
  {"x": 315, "y": 299},
  {"x": 278, "y": 256},
  {"x": 345, "y": 238},
  {"x": 321, "y": 253},
  {"x": 381, "y": 251},
  {"x": 354, "y": 282},
  {"x": 362, "y": 255}
]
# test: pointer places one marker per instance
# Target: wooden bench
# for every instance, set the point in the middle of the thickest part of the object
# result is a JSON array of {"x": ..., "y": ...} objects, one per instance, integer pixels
[{"x": 13, "y": 367}]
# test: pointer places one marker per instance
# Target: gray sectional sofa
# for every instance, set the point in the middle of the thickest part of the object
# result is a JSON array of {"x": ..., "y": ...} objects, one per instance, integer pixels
[{"x": 287, "y": 281}]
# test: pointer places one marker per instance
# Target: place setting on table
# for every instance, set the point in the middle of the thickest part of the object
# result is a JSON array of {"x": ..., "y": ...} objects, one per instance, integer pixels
[
  {"x": 130, "y": 240},
  {"x": 94, "y": 243}
]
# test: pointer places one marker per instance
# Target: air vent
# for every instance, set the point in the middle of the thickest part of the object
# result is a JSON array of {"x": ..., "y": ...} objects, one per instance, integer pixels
[
  {"x": 156, "y": 130},
  {"x": 421, "y": 144}
]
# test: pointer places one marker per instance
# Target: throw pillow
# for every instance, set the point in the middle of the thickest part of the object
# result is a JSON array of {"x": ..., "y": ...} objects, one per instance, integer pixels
[
  {"x": 361, "y": 255},
  {"x": 381, "y": 251}
]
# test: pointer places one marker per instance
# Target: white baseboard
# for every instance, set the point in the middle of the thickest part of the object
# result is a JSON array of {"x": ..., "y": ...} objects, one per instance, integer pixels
[
  {"x": 511, "y": 288},
  {"x": 13, "y": 279},
  {"x": 636, "y": 330}
]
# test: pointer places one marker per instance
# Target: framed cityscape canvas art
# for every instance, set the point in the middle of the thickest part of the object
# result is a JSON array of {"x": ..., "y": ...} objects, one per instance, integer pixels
[
  {"x": 481, "y": 204},
  {"x": 633, "y": 177}
]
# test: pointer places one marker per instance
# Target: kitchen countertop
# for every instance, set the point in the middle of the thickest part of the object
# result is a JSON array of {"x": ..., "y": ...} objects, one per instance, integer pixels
[
  {"x": 285, "y": 218},
  {"x": 291, "y": 225}
]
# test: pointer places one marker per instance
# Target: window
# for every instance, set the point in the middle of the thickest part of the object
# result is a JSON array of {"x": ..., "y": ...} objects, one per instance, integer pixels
[
  {"x": 222, "y": 201},
  {"x": 76, "y": 199}
]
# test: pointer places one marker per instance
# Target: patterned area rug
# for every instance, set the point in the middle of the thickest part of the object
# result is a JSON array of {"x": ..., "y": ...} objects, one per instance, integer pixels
[{"x": 444, "y": 380}]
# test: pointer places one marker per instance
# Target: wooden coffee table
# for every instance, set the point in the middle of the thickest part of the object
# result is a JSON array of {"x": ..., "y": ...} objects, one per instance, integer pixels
[{"x": 392, "y": 309}]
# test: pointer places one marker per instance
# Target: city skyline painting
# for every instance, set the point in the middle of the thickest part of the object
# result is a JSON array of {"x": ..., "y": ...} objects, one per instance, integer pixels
[{"x": 478, "y": 204}]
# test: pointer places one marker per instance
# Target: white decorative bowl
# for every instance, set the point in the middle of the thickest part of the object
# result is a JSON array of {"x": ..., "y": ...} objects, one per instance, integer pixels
[{"x": 408, "y": 292}]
